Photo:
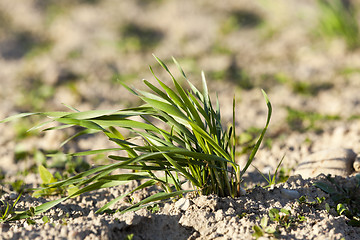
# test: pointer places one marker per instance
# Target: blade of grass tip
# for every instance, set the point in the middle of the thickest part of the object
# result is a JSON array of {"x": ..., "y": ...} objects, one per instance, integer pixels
[
  {"x": 179, "y": 67},
  {"x": 174, "y": 97},
  {"x": 219, "y": 129},
  {"x": 70, "y": 107},
  {"x": 38, "y": 210},
  {"x": 234, "y": 132},
  {"x": 165, "y": 107},
  {"x": 81, "y": 123},
  {"x": 163, "y": 65},
  {"x": 128, "y": 88},
  {"x": 88, "y": 115},
  {"x": 90, "y": 152},
  {"x": 205, "y": 88},
  {"x": 17, "y": 116},
  {"x": 114, "y": 131},
  {"x": 257, "y": 145},
  {"x": 157, "y": 90},
  {"x": 268, "y": 180},
  {"x": 40, "y": 125},
  {"x": 198, "y": 94},
  {"x": 277, "y": 168},
  {"x": 58, "y": 127},
  {"x": 188, "y": 104},
  {"x": 17, "y": 200},
  {"x": 269, "y": 107},
  {"x": 86, "y": 131},
  {"x": 207, "y": 105},
  {"x": 167, "y": 89}
]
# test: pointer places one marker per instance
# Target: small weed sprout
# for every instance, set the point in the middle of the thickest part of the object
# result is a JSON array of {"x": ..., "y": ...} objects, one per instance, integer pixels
[
  {"x": 191, "y": 145},
  {"x": 281, "y": 217},
  {"x": 263, "y": 229},
  {"x": 271, "y": 180},
  {"x": 7, "y": 209}
]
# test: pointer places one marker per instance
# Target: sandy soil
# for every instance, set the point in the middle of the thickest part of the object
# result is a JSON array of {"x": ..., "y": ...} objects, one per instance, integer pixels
[{"x": 72, "y": 52}]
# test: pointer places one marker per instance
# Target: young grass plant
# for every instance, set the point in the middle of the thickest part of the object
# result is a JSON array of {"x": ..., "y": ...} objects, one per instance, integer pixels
[
  {"x": 189, "y": 145},
  {"x": 271, "y": 180},
  {"x": 7, "y": 210}
]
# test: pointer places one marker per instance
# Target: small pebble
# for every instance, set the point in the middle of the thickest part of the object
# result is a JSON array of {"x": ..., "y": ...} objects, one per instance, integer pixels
[
  {"x": 182, "y": 204},
  {"x": 13, "y": 196},
  {"x": 290, "y": 194}
]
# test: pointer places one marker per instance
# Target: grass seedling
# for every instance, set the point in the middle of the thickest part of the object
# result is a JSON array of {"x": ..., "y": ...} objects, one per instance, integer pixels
[
  {"x": 47, "y": 179},
  {"x": 7, "y": 210},
  {"x": 316, "y": 203},
  {"x": 271, "y": 180},
  {"x": 188, "y": 145},
  {"x": 263, "y": 229},
  {"x": 281, "y": 217}
]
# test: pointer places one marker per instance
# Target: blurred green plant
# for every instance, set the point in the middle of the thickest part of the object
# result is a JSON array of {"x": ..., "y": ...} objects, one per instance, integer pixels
[
  {"x": 281, "y": 217},
  {"x": 303, "y": 121},
  {"x": 264, "y": 229},
  {"x": 338, "y": 18},
  {"x": 47, "y": 179},
  {"x": 188, "y": 145},
  {"x": 310, "y": 89},
  {"x": 315, "y": 203},
  {"x": 240, "y": 19},
  {"x": 35, "y": 93},
  {"x": 134, "y": 37}
]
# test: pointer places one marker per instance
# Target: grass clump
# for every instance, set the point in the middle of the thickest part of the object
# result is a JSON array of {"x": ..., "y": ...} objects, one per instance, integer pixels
[{"x": 188, "y": 145}]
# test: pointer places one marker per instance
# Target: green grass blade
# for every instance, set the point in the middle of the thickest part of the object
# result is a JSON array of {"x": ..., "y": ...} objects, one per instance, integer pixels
[
  {"x": 157, "y": 90},
  {"x": 153, "y": 198},
  {"x": 82, "y": 123},
  {"x": 17, "y": 116},
  {"x": 258, "y": 142},
  {"x": 114, "y": 201},
  {"x": 90, "y": 114},
  {"x": 182, "y": 170},
  {"x": 179, "y": 67}
]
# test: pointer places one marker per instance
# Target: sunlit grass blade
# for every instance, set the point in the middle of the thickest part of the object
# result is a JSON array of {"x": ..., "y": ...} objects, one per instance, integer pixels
[
  {"x": 258, "y": 142},
  {"x": 153, "y": 198},
  {"x": 14, "y": 117}
]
